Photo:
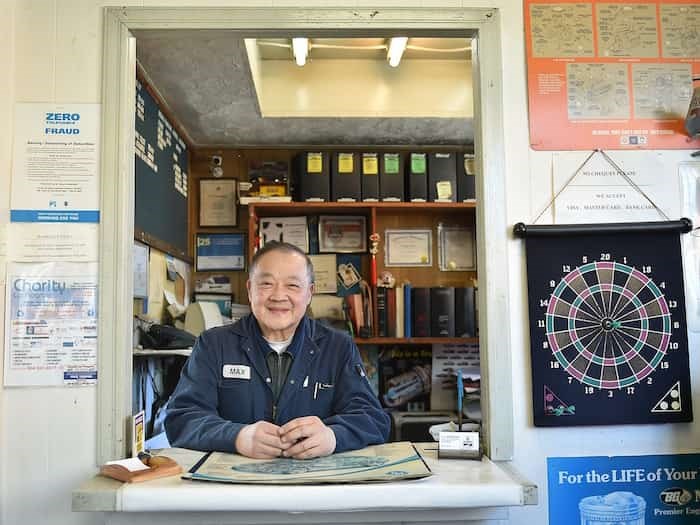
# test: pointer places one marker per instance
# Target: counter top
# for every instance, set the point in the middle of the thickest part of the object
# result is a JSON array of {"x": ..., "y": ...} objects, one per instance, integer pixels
[{"x": 455, "y": 484}]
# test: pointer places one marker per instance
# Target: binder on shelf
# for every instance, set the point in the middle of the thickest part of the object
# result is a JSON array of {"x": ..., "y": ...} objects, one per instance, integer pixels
[
  {"x": 421, "y": 312},
  {"x": 312, "y": 177},
  {"x": 346, "y": 185},
  {"x": 465, "y": 312},
  {"x": 466, "y": 179},
  {"x": 391, "y": 312},
  {"x": 417, "y": 175},
  {"x": 391, "y": 183},
  {"x": 382, "y": 312},
  {"x": 370, "y": 177},
  {"x": 442, "y": 177},
  {"x": 442, "y": 312},
  {"x": 408, "y": 319}
]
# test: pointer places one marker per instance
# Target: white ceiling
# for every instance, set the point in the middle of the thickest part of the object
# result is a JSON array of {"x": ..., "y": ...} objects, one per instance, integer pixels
[{"x": 205, "y": 79}]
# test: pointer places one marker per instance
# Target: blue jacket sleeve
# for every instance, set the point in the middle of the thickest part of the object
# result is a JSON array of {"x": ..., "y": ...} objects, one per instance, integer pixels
[
  {"x": 192, "y": 420},
  {"x": 358, "y": 419}
]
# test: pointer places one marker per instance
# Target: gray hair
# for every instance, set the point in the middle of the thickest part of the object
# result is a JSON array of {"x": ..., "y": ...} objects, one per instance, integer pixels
[{"x": 277, "y": 246}]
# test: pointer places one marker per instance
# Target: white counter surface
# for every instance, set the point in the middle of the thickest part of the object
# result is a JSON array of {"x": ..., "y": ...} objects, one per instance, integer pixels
[{"x": 455, "y": 484}]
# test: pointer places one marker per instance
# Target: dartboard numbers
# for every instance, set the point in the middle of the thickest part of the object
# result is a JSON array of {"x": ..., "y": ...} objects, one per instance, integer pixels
[{"x": 608, "y": 333}]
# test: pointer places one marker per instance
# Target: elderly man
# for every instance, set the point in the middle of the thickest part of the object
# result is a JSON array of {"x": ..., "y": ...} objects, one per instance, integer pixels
[{"x": 276, "y": 383}]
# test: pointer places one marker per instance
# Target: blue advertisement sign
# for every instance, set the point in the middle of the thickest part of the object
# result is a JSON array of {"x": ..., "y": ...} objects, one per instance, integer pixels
[{"x": 624, "y": 490}]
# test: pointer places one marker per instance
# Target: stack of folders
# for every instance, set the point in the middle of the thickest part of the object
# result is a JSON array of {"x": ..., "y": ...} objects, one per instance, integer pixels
[
  {"x": 407, "y": 311},
  {"x": 323, "y": 176}
]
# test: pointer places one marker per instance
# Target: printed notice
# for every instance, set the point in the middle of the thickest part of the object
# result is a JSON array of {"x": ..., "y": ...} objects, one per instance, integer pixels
[
  {"x": 679, "y": 25},
  {"x": 611, "y": 75},
  {"x": 627, "y": 30},
  {"x": 51, "y": 324},
  {"x": 55, "y": 163},
  {"x": 550, "y": 21},
  {"x": 661, "y": 91}
]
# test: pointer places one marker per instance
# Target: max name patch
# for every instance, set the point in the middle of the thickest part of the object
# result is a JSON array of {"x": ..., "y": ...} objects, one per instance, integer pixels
[{"x": 236, "y": 372}]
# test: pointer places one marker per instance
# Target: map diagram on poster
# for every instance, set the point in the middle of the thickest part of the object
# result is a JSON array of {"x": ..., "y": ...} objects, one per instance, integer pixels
[
  {"x": 611, "y": 75},
  {"x": 608, "y": 335}
]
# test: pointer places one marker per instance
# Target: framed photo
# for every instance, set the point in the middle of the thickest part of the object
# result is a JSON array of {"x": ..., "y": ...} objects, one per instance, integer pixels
[
  {"x": 408, "y": 248},
  {"x": 217, "y": 202},
  {"x": 342, "y": 233},
  {"x": 219, "y": 252},
  {"x": 456, "y": 247}
]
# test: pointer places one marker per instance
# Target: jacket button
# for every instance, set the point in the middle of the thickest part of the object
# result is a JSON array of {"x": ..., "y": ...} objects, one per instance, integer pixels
[
  {"x": 291, "y": 382},
  {"x": 311, "y": 352},
  {"x": 268, "y": 380}
]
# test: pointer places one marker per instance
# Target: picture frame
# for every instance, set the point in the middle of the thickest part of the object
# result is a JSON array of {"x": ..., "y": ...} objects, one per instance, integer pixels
[
  {"x": 408, "y": 247},
  {"x": 456, "y": 248},
  {"x": 220, "y": 252},
  {"x": 342, "y": 234},
  {"x": 217, "y": 202}
]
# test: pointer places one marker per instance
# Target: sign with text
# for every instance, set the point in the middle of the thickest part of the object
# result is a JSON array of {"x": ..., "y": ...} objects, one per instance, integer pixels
[{"x": 649, "y": 490}]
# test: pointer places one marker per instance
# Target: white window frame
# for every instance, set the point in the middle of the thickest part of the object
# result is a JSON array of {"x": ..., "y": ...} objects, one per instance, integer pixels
[{"x": 117, "y": 186}]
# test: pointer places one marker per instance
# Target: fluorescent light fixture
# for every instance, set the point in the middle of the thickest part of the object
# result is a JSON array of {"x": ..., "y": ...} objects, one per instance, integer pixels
[
  {"x": 300, "y": 48},
  {"x": 397, "y": 46}
]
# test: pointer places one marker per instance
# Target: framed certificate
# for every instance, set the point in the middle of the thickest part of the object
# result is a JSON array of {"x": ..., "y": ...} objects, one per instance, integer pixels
[
  {"x": 220, "y": 251},
  {"x": 408, "y": 248},
  {"x": 342, "y": 233},
  {"x": 456, "y": 249},
  {"x": 217, "y": 202}
]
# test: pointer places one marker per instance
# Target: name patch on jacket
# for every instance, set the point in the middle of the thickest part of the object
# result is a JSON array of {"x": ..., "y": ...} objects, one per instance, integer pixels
[{"x": 236, "y": 372}]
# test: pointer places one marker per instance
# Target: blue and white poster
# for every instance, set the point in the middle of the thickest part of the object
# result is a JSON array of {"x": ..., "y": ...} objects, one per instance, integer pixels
[
  {"x": 624, "y": 490},
  {"x": 220, "y": 251},
  {"x": 55, "y": 163}
]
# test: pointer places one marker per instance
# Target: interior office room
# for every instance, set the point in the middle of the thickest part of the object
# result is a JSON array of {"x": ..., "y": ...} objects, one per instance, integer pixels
[{"x": 636, "y": 434}]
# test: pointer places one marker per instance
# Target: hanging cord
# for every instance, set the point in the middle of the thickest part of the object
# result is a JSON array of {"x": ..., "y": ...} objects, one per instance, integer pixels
[{"x": 618, "y": 169}]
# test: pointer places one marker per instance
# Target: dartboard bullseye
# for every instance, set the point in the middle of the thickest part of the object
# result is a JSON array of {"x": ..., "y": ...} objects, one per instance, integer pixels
[{"x": 608, "y": 336}]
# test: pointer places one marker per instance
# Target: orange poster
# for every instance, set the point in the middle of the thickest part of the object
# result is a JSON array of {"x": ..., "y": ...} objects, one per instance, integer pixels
[{"x": 611, "y": 75}]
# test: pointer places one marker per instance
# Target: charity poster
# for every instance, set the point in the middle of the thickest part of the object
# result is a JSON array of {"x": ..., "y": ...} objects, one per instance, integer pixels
[
  {"x": 51, "y": 324},
  {"x": 55, "y": 163},
  {"x": 595, "y": 190},
  {"x": 611, "y": 75},
  {"x": 629, "y": 490}
]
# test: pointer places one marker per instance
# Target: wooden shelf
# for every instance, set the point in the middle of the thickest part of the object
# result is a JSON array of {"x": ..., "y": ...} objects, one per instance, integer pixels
[
  {"x": 414, "y": 340},
  {"x": 281, "y": 208}
]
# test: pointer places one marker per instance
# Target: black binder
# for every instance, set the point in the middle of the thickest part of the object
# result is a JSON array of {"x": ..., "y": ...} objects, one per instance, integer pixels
[
  {"x": 346, "y": 185},
  {"x": 421, "y": 312},
  {"x": 442, "y": 312},
  {"x": 370, "y": 177},
  {"x": 391, "y": 177},
  {"x": 465, "y": 312},
  {"x": 312, "y": 179},
  {"x": 466, "y": 179},
  {"x": 442, "y": 177},
  {"x": 417, "y": 177}
]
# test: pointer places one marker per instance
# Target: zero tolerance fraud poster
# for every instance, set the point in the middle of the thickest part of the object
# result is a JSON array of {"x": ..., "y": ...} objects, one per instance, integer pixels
[{"x": 625, "y": 490}]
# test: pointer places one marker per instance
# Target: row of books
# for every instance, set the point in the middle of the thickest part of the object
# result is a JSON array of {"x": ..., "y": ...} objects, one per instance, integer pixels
[
  {"x": 386, "y": 177},
  {"x": 406, "y": 311}
]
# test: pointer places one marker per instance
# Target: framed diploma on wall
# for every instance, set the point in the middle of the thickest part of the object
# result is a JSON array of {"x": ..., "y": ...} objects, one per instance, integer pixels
[{"x": 217, "y": 202}]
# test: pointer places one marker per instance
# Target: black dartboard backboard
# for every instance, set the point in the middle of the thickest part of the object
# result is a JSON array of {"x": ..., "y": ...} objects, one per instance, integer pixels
[
  {"x": 160, "y": 171},
  {"x": 608, "y": 334}
]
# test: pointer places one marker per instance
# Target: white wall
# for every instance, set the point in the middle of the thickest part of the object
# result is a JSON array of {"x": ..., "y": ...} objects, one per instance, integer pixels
[{"x": 51, "y": 52}]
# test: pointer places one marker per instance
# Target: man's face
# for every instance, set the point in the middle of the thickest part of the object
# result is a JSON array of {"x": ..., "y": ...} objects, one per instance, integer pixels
[{"x": 279, "y": 291}]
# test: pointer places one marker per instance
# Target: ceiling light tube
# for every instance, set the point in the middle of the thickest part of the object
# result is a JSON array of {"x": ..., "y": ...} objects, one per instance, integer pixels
[
  {"x": 397, "y": 46},
  {"x": 300, "y": 48}
]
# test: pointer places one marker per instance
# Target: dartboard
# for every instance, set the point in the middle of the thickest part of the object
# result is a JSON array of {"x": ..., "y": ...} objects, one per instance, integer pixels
[{"x": 608, "y": 333}]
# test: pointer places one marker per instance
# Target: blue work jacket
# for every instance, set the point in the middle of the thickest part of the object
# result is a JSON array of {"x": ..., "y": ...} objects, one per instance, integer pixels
[{"x": 225, "y": 385}]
